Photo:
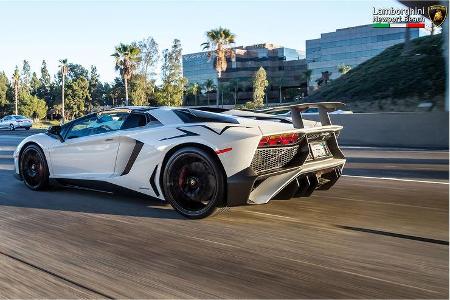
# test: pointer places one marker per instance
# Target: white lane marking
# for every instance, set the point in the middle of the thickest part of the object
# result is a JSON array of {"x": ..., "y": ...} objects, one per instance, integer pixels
[
  {"x": 6, "y": 167},
  {"x": 393, "y": 149},
  {"x": 397, "y": 179},
  {"x": 7, "y": 148}
]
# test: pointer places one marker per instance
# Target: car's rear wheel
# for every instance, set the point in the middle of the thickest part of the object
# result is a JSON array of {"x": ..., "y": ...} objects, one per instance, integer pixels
[
  {"x": 193, "y": 182},
  {"x": 11, "y": 127},
  {"x": 33, "y": 168},
  {"x": 27, "y": 128}
]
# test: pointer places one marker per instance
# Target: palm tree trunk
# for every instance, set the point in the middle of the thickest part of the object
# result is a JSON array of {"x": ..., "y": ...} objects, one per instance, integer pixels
[
  {"x": 280, "y": 95},
  {"x": 62, "y": 99},
  {"x": 235, "y": 97},
  {"x": 208, "y": 97},
  {"x": 222, "y": 97},
  {"x": 16, "y": 92},
  {"x": 126, "y": 90}
]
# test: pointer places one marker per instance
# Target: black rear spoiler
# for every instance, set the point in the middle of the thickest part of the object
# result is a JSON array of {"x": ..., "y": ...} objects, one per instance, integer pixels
[{"x": 296, "y": 109}]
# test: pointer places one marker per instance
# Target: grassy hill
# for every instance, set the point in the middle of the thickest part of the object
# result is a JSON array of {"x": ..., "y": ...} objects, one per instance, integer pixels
[{"x": 392, "y": 81}]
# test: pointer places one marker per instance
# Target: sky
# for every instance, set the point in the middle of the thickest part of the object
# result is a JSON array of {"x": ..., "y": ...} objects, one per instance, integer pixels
[{"x": 86, "y": 32}]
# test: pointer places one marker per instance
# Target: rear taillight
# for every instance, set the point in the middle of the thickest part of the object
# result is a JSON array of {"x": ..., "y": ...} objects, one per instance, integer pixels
[{"x": 285, "y": 139}]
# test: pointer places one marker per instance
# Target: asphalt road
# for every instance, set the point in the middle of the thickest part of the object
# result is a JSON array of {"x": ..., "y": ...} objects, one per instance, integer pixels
[{"x": 381, "y": 232}]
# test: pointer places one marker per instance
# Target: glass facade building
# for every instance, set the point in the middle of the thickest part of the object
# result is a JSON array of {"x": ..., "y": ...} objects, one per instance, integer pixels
[
  {"x": 285, "y": 67},
  {"x": 350, "y": 46}
]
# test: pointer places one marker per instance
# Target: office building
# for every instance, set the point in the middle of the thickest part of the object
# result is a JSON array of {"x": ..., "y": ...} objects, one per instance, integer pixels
[
  {"x": 350, "y": 46},
  {"x": 285, "y": 69}
]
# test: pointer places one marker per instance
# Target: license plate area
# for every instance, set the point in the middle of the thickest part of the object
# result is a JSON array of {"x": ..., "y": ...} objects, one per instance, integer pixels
[{"x": 319, "y": 150}]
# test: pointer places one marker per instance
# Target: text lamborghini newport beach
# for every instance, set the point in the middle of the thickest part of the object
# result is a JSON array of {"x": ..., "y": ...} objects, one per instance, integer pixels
[{"x": 195, "y": 159}]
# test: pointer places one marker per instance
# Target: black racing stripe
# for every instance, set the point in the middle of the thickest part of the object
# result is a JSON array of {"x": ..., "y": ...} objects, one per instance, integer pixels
[
  {"x": 152, "y": 181},
  {"x": 397, "y": 235},
  {"x": 190, "y": 133},
  {"x": 134, "y": 154},
  {"x": 186, "y": 133}
]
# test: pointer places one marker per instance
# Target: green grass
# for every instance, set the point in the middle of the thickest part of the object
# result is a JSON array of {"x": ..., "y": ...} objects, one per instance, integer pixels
[
  {"x": 392, "y": 75},
  {"x": 44, "y": 124}
]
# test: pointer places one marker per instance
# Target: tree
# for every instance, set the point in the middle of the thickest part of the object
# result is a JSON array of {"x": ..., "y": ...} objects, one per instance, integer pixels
[
  {"x": 208, "y": 87},
  {"x": 219, "y": 43},
  {"x": 194, "y": 89},
  {"x": 64, "y": 69},
  {"x": 343, "y": 69},
  {"x": 324, "y": 79},
  {"x": 31, "y": 106},
  {"x": 260, "y": 84},
  {"x": 234, "y": 85},
  {"x": 34, "y": 84},
  {"x": 173, "y": 82},
  {"x": 77, "y": 96},
  {"x": 26, "y": 76},
  {"x": 127, "y": 57},
  {"x": 94, "y": 81},
  {"x": 149, "y": 53},
  {"x": 307, "y": 73},
  {"x": 3, "y": 92},
  {"x": 45, "y": 84},
  {"x": 279, "y": 82},
  {"x": 15, "y": 83},
  {"x": 140, "y": 89}
]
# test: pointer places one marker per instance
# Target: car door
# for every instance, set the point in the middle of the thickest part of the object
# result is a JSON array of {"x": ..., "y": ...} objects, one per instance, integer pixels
[
  {"x": 89, "y": 148},
  {"x": 4, "y": 122}
]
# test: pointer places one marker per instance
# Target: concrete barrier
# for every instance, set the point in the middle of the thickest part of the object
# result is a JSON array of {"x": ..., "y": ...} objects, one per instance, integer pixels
[{"x": 412, "y": 130}]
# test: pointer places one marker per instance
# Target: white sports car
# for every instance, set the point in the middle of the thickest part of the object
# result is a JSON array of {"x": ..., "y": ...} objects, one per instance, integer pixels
[{"x": 195, "y": 159}]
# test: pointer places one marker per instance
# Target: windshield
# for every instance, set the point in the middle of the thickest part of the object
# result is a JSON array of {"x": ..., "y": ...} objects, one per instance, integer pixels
[{"x": 19, "y": 117}]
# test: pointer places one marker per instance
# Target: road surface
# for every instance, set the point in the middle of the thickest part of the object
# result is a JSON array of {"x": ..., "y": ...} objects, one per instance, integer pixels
[{"x": 381, "y": 232}]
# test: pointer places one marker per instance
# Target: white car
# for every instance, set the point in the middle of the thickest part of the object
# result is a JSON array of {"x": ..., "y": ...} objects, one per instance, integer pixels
[
  {"x": 13, "y": 122},
  {"x": 195, "y": 159}
]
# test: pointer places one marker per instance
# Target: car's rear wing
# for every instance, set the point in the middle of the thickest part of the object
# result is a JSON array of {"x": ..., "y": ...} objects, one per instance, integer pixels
[{"x": 296, "y": 110}]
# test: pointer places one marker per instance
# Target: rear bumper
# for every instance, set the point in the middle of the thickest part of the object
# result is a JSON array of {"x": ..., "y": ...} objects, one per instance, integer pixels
[{"x": 246, "y": 187}]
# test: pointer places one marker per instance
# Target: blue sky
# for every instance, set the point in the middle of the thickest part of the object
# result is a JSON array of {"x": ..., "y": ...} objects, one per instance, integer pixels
[{"x": 86, "y": 32}]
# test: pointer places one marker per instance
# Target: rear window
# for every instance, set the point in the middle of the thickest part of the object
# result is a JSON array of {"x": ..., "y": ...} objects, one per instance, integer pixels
[{"x": 198, "y": 116}]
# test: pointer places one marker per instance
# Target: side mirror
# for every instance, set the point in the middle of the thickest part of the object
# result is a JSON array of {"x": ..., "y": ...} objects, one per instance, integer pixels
[{"x": 56, "y": 131}]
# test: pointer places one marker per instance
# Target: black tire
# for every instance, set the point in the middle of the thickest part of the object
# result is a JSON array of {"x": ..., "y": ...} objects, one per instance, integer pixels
[
  {"x": 193, "y": 183},
  {"x": 27, "y": 128},
  {"x": 33, "y": 168},
  {"x": 11, "y": 127}
]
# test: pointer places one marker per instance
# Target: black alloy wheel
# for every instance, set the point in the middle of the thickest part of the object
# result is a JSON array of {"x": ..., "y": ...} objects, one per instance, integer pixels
[
  {"x": 193, "y": 182},
  {"x": 11, "y": 127},
  {"x": 33, "y": 168}
]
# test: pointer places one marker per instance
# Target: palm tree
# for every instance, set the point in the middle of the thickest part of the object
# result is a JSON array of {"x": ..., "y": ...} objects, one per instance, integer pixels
[
  {"x": 127, "y": 57},
  {"x": 64, "y": 70},
  {"x": 194, "y": 89},
  {"x": 219, "y": 43},
  {"x": 209, "y": 86},
  {"x": 15, "y": 82},
  {"x": 279, "y": 82},
  {"x": 234, "y": 85},
  {"x": 307, "y": 74}
]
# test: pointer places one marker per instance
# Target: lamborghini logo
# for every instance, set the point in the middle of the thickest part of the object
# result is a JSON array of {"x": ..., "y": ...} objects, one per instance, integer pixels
[{"x": 437, "y": 14}]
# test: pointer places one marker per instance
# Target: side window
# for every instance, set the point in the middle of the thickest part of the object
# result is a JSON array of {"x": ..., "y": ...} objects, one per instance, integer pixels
[
  {"x": 134, "y": 120},
  {"x": 96, "y": 124}
]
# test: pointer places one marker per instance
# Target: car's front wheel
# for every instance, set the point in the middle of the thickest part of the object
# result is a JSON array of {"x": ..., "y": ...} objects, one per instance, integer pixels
[
  {"x": 33, "y": 168},
  {"x": 11, "y": 127},
  {"x": 193, "y": 182}
]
